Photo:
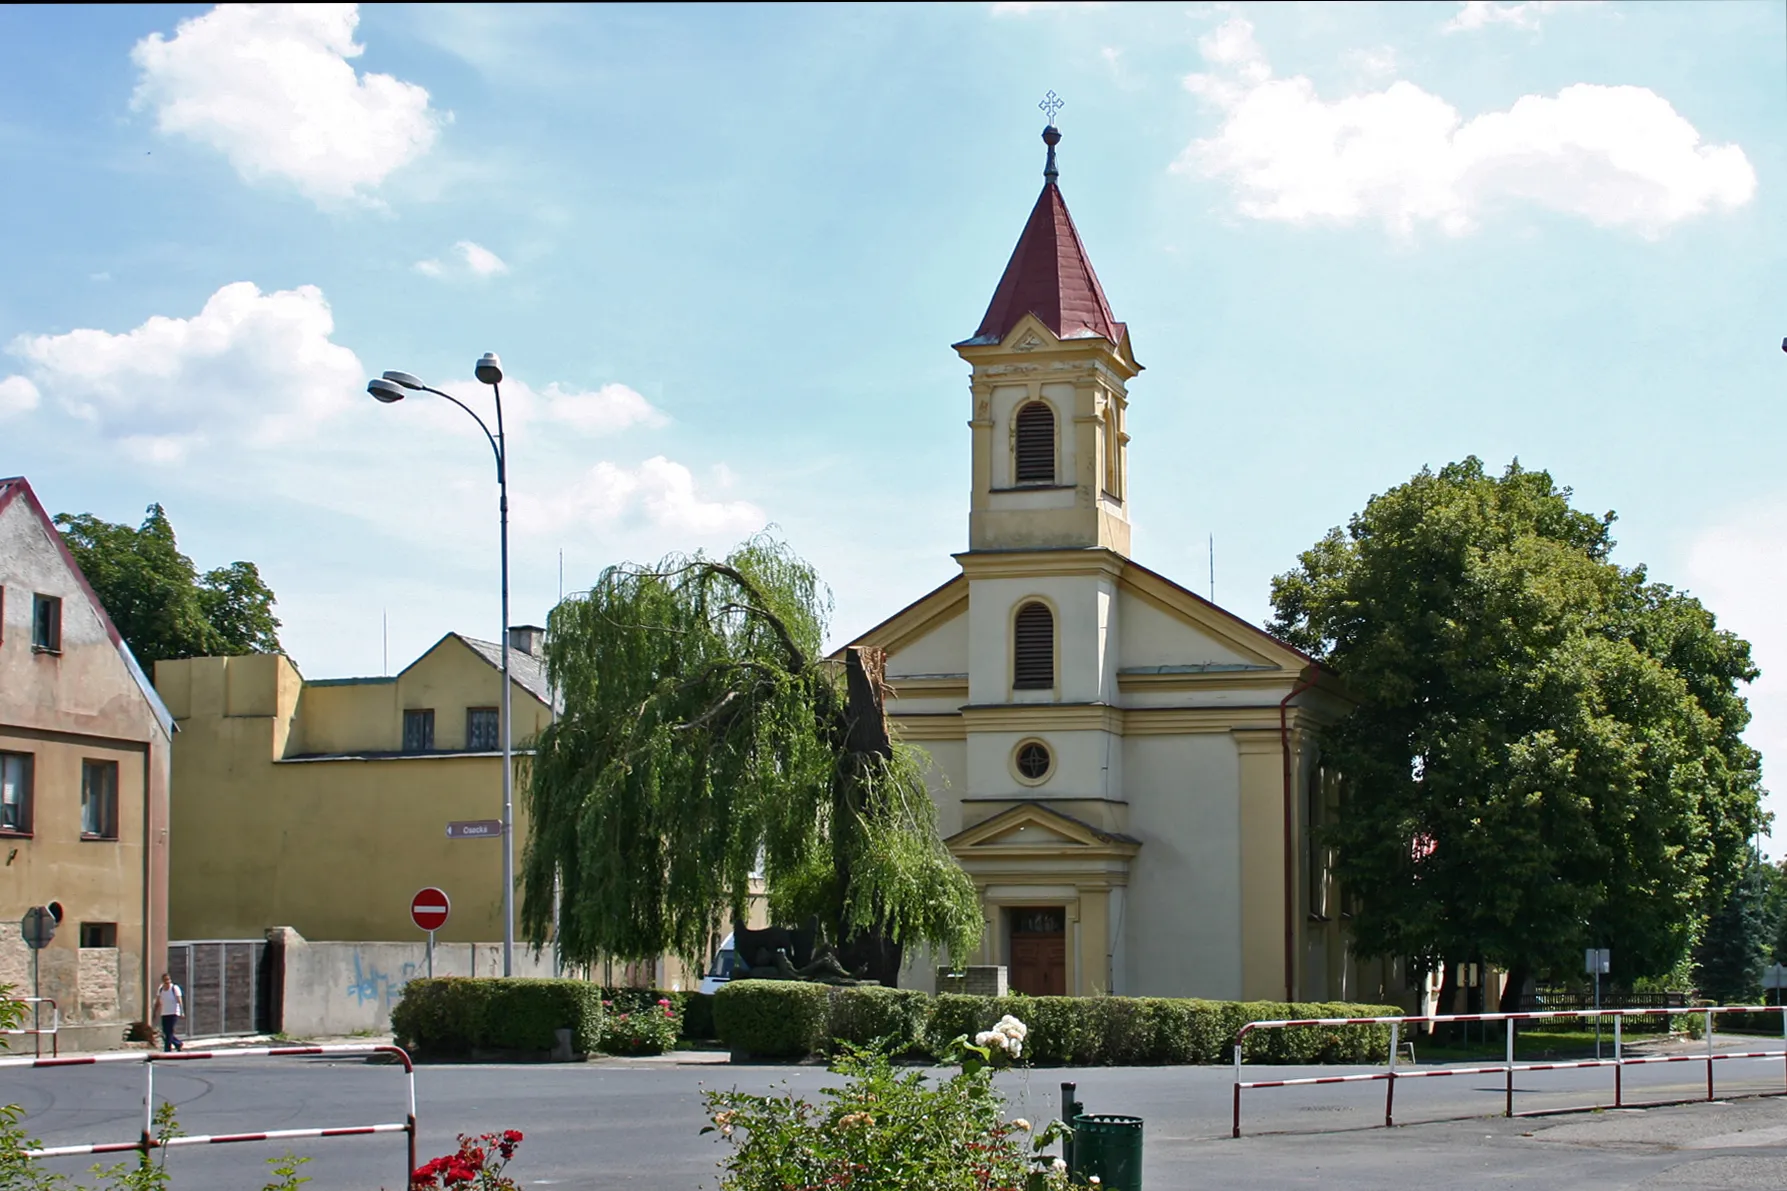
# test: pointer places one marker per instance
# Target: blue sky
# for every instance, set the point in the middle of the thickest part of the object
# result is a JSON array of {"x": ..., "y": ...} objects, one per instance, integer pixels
[{"x": 723, "y": 250}]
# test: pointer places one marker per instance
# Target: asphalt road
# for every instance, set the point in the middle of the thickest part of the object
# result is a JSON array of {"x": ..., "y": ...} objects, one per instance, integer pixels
[{"x": 618, "y": 1124}]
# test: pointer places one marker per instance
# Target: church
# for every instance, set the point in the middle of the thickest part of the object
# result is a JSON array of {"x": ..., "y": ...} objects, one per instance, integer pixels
[{"x": 1129, "y": 773}]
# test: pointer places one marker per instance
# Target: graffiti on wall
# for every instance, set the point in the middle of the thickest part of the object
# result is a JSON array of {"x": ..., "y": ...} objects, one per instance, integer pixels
[{"x": 372, "y": 986}]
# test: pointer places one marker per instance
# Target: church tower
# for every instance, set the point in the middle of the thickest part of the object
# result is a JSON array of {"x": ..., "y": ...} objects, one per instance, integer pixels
[{"x": 1050, "y": 367}]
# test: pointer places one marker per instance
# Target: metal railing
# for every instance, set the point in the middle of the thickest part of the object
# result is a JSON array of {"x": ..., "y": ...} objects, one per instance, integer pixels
[
  {"x": 1508, "y": 1067},
  {"x": 36, "y": 1028},
  {"x": 148, "y": 1142}
]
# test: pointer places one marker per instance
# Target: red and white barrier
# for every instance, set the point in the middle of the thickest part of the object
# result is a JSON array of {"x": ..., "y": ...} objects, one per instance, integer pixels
[
  {"x": 1391, "y": 1072},
  {"x": 38, "y": 1030},
  {"x": 149, "y": 1059}
]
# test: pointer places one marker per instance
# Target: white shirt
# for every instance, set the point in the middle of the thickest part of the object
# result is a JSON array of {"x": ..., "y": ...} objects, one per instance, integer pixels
[{"x": 169, "y": 999}]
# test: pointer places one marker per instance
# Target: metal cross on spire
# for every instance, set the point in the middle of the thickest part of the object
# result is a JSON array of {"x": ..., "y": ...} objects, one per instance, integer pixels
[{"x": 1051, "y": 136}]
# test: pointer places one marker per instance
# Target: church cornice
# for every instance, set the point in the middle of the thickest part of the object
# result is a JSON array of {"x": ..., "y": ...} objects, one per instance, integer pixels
[{"x": 1245, "y": 722}]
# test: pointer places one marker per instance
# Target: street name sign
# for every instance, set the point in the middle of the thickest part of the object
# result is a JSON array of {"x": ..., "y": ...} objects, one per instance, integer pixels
[
  {"x": 475, "y": 829},
  {"x": 429, "y": 908}
]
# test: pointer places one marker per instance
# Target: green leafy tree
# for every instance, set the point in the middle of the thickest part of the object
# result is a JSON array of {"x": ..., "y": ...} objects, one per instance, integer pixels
[
  {"x": 157, "y": 598},
  {"x": 704, "y": 739},
  {"x": 1545, "y": 753},
  {"x": 1736, "y": 945}
]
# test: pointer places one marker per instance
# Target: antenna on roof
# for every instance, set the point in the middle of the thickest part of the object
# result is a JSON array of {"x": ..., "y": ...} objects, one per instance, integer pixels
[
  {"x": 1051, "y": 136},
  {"x": 384, "y": 623}
]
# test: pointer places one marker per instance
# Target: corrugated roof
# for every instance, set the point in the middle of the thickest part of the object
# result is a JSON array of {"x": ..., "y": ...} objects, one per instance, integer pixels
[{"x": 1050, "y": 276}]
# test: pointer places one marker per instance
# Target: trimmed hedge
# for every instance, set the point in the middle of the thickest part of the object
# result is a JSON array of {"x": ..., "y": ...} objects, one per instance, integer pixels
[
  {"x": 889, "y": 1019},
  {"x": 452, "y": 1015},
  {"x": 772, "y": 1018},
  {"x": 698, "y": 1017},
  {"x": 1064, "y": 1031}
]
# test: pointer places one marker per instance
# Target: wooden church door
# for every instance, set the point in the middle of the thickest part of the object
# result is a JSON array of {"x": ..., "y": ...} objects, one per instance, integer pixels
[{"x": 1039, "y": 951}]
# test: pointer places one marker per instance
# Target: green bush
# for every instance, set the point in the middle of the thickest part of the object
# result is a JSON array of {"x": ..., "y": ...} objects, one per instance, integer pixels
[
  {"x": 954, "y": 1015},
  {"x": 698, "y": 1017},
  {"x": 632, "y": 1027},
  {"x": 453, "y": 1015},
  {"x": 772, "y": 1018},
  {"x": 891, "y": 1020}
]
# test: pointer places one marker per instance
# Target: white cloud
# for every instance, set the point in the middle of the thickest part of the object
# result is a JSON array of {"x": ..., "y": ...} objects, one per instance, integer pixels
[
  {"x": 1738, "y": 569},
  {"x": 272, "y": 88},
  {"x": 480, "y": 259},
  {"x": 1523, "y": 14},
  {"x": 611, "y": 408},
  {"x": 477, "y": 260},
  {"x": 1618, "y": 156},
  {"x": 17, "y": 396},
  {"x": 252, "y": 365},
  {"x": 659, "y": 492}
]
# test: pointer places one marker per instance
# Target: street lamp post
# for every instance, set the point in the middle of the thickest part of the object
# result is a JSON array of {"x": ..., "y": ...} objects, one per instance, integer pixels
[{"x": 392, "y": 388}]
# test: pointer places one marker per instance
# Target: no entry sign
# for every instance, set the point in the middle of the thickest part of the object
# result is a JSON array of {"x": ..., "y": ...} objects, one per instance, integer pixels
[{"x": 428, "y": 909}]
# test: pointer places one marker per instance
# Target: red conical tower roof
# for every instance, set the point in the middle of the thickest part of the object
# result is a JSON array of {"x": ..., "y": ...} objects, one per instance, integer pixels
[{"x": 1049, "y": 275}]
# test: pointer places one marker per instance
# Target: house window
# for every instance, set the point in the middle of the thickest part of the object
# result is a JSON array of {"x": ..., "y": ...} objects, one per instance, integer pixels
[
  {"x": 1036, "y": 444},
  {"x": 15, "y": 793},
  {"x": 46, "y": 624},
  {"x": 418, "y": 730},
  {"x": 99, "y": 800},
  {"x": 1033, "y": 648},
  {"x": 482, "y": 729},
  {"x": 99, "y": 934}
]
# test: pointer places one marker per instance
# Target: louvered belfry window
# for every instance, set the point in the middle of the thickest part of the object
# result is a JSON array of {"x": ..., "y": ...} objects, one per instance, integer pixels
[
  {"x": 1036, "y": 444},
  {"x": 1033, "y": 641}
]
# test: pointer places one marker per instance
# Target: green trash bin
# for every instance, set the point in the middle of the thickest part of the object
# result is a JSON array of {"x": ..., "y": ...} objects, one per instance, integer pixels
[{"x": 1110, "y": 1147}]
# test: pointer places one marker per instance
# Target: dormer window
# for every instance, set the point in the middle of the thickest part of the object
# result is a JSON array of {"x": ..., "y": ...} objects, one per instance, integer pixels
[
  {"x": 1033, "y": 648},
  {"x": 1036, "y": 444}
]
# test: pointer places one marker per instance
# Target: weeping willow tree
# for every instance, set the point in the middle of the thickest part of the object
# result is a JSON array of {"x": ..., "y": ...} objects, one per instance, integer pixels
[{"x": 704, "y": 739}]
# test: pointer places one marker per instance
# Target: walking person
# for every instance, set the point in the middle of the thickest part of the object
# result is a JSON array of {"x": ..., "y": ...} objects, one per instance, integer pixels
[{"x": 172, "y": 1007}]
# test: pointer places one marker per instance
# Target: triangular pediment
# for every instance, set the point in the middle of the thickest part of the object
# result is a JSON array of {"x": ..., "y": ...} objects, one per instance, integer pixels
[
  {"x": 918, "y": 619},
  {"x": 1245, "y": 645},
  {"x": 1030, "y": 826}
]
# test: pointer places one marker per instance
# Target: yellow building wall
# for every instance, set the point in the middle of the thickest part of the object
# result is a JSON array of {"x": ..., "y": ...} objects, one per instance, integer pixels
[{"x": 294, "y": 807}]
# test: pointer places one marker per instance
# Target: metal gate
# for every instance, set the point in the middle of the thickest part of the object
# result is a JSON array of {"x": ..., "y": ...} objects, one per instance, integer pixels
[{"x": 223, "y": 982}]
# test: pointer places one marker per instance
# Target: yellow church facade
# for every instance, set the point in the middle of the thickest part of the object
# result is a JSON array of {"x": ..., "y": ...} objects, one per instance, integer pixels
[{"x": 1129, "y": 773}]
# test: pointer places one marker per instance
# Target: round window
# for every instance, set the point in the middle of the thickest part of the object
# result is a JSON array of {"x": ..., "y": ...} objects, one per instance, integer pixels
[{"x": 1034, "y": 761}]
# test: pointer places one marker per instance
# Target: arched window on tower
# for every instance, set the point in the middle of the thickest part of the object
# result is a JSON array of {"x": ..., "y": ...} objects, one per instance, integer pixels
[
  {"x": 1033, "y": 648},
  {"x": 1113, "y": 454},
  {"x": 1036, "y": 444}
]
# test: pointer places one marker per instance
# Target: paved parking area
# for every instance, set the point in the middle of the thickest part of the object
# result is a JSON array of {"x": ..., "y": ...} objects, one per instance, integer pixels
[{"x": 621, "y": 1124}]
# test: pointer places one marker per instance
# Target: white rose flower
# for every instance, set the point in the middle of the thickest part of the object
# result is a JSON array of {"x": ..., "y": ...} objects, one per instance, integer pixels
[{"x": 1060, "y": 1164}]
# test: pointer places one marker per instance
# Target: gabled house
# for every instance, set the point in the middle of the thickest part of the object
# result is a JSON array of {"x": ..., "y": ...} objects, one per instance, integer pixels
[
  {"x": 84, "y": 772},
  {"x": 323, "y": 804}
]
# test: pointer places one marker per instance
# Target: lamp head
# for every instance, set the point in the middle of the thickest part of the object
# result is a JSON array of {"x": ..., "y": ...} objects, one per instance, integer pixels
[
  {"x": 406, "y": 380},
  {"x": 489, "y": 369},
  {"x": 383, "y": 390}
]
